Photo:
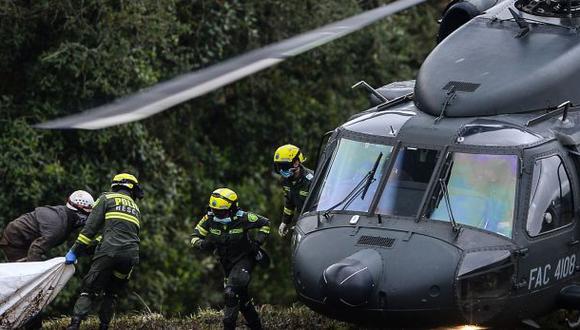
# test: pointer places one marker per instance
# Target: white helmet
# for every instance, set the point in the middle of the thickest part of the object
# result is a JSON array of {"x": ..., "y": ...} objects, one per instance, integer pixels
[{"x": 80, "y": 200}]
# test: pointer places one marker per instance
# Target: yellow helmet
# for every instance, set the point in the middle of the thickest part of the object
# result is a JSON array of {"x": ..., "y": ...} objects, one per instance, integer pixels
[
  {"x": 129, "y": 181},
  {"x": 223, "y": 199},
  {"x": 287, "y": 154}
]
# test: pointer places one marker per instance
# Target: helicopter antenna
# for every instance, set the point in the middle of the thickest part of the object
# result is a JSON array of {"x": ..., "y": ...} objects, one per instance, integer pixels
[
  {"x": 372, "y": 90},
  {"x": 561, "y": 109}
]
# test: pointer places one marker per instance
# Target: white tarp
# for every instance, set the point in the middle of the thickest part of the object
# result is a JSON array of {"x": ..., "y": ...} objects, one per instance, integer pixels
[{"x": 27, "y": 287}]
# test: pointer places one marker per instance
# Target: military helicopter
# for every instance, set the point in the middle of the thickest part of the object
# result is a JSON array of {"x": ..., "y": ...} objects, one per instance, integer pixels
[{"x": 454, "y": 198}]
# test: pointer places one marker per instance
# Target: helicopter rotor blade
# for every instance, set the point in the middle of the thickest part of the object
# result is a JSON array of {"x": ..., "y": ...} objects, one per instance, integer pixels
[{"x": 164, "y": 95}]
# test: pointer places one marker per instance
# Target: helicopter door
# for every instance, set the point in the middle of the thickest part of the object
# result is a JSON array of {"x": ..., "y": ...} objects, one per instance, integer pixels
[{"x": 552, "y": 256}]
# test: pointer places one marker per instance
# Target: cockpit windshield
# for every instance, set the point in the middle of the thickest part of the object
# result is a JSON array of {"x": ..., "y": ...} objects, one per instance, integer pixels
[
  {"x": 482, "y": 190},
  {"x": 351, "y": 164},
  {"x": 407, "y": 182}
]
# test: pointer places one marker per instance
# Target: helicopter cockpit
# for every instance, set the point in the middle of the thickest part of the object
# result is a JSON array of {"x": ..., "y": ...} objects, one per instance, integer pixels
[
  {"x": 389, "y": 202},
  {"x": 475, "y": 188}
]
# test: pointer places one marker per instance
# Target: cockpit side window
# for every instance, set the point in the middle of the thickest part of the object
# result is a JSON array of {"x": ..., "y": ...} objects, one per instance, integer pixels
[
  {"x": 348, "y": 176},
  {"x": 551, "y": 203},
  {"x": 481, "y": 191}
]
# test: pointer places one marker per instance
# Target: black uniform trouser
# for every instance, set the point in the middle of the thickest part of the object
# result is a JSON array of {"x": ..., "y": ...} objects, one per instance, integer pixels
[
  {"x": 108, "y": 276},
  {"x": 236, "y": 294}
]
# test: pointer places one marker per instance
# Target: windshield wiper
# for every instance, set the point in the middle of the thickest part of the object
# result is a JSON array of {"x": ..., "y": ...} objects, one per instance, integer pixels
[
  {"x": 523, "y": 23},
  {"x": 371, "y": 176},
  {"x": 367, "y": 180},
  {"x": 454, "y": 224}
]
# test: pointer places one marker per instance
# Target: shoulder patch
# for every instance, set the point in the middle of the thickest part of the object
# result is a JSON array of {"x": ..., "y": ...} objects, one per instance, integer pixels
[
  {"x": 252, "y": 217},
  {"x": 309, "y": 176}
]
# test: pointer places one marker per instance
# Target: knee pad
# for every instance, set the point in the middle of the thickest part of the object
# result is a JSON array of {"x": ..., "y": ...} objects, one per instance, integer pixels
[
  {"x": 231, "y": 296},
  {"x": 89, "y": 294},
  {"x": 110, "y": 295},
  {"x": 240, "y": 279}
]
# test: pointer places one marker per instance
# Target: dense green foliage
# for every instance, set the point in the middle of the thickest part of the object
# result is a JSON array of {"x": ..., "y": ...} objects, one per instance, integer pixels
[{"x": 59, "y": 57}]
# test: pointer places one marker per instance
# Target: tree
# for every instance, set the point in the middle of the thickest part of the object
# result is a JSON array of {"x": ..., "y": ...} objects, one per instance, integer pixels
[{"x": 57, "y": 58}]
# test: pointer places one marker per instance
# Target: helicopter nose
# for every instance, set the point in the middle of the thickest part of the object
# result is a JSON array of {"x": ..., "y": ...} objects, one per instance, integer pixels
[{"x": 351, "y": 280}]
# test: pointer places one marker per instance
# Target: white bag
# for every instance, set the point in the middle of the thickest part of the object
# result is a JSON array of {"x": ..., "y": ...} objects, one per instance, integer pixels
[{"x": 27, "y": 287}]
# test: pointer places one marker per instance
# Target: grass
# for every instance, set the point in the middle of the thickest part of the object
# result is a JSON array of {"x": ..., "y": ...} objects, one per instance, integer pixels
[{"x": 273, "y": 317}]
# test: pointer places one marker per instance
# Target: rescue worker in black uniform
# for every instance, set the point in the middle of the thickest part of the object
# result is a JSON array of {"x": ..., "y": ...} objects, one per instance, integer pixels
[
  {"x": 32, "y": 235},
  {"x": 296, "y": 180},
  {"x": 117, "y": 216},
  {"x": 226, "y": 230}
]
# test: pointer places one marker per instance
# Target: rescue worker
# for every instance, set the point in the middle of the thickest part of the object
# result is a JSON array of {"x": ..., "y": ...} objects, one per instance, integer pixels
[
  {"x": 226, "y": 229},
  {"x": 30, "y": 236},
  {"x": 296, "y": 180},
  {"x": 117, "y": 216}
]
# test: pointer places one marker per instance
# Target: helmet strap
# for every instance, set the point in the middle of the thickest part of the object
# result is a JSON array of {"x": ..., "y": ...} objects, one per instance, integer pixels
[{"x": 78, "y": 207}]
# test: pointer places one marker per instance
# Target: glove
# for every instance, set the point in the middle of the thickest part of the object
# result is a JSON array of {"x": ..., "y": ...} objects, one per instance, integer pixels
[
  {"x": 204, "y": 245},
  {"x": 255, "y": 247},
  {"x": 283, "y": 229},
  {"x": 70, "y": 257}
]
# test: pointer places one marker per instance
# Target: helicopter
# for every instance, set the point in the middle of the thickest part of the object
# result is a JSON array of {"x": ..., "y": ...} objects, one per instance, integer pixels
[{"x": 454, "y": 198}]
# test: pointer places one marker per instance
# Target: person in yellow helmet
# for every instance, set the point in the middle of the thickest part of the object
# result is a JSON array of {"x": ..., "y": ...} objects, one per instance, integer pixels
[
  {"x": 226, "y": 229},
  {"x": 116, "y": 215},
  {"x": 296, "y": 180}
]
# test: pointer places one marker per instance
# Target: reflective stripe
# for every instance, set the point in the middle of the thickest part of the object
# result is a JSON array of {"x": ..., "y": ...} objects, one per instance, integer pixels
[
  {"x": 117, "y": 198},
  {"x": 116, "y": 195},
  {"x": 236, "y": 231},
  {"x": 199, "y": 227},
  {"x": 215, "y": 231},
  {"x": 97, "y": 202},
  {"x": 265, "y": 229},
  {"x": 121, "y": 275},
  {"x": 288, "y": 211},
  {"x": 201, "y": 230},
  {"x": 286, "y": 188},
  {"x": 194, "y": 240},
  {"x": 98, "y": 239},
  {"x": 304, "y": 193},
  {"x": 122, "y": 216},
  {"x": 84, "y": 239}
]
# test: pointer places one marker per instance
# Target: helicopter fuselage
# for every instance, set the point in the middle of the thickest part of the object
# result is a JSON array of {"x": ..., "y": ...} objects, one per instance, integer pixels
[
  {"x": 455, "y": 201},
  {"x": 466, "y": 221}
]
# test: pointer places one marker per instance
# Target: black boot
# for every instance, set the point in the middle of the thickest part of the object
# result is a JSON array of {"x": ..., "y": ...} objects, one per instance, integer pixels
[
  {"x": 251, "y": 316},
  {"x": 256, "y": 325},
  {"x": 103, "y": 326},
  {"x": 75, "y": 323}
]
